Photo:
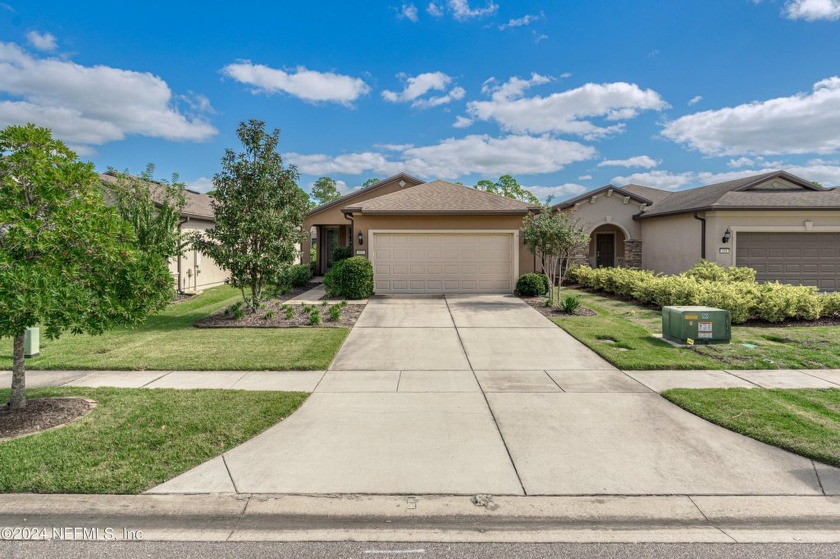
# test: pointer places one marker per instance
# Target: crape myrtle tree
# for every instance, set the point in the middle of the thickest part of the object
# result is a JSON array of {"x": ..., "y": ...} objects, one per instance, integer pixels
[
  {"x": 68, "y": 262},
  {"x": 153, "y": 207},
  {"x": 259, "y": 212},
  {"x": 554, "y": 237}
]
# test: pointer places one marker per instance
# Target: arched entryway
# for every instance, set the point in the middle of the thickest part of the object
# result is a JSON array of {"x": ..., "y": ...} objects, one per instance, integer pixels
[{"x": 607, "y": 246}]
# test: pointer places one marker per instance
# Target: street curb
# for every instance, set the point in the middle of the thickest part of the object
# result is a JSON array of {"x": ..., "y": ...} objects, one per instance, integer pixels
[{"x": 421, "y": 518}]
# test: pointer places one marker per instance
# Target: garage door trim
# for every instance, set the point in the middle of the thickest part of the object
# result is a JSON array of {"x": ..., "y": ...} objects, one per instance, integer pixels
[
  {"x": 776, "y": 229},
  {"x": 513, "y": 232}
]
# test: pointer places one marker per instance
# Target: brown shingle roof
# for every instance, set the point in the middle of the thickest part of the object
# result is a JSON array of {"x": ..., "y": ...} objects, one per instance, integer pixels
[
  {"x": 604, "y": 189},
  {"x": 196, "y": 205},
  {"x": 710, "y": 196},
  {"x": 375, "y": 186},
  {"x": 441, "y": 197},
  {"x": 653, "y": 194}
]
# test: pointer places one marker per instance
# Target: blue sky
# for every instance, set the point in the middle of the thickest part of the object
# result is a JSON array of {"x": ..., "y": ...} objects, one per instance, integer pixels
[{"x": 564, "y": 95}]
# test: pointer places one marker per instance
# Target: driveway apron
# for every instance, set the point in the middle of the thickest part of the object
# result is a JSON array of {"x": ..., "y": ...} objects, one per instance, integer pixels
[{"x": 470, "y": 394}]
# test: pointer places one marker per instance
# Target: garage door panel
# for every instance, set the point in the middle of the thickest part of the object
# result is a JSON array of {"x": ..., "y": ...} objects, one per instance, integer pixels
[
  {"x": 796, "y": 258},
  {"x": 443, "y": 262}
]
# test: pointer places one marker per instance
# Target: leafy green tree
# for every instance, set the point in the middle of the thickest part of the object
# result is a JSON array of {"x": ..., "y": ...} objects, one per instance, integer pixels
[
  {"x": 68, "y": 262},
  {"x": 325, "y": 191},
  {"x": 371, "y": 181},
  {"x": 153, "y": 207},
  {"x": 555, "y": 237},
  {"x": 509, "y": 187},
  {"x": 259, "y": 212}
]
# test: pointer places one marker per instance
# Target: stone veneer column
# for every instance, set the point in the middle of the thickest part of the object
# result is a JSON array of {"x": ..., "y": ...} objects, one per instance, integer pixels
[{"x": 632, "y": 253}]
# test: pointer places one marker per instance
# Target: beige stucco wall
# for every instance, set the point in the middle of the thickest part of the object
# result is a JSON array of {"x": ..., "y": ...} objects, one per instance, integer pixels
[
  {"x": 334, "y": 216},
  {"x": 197, "y": 271},
  {"x": 461, "y": 222},
  {"x": 755, "y": 221},
  {"x": 609, "y": 210},
  {"x": 670, "y": 244}
]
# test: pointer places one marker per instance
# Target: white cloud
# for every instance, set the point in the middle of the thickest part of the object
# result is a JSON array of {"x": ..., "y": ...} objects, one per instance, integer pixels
[
  {"x": 308, "y": 85},
  {"x": 393, "y": 147},
  {"x": 643, "y": 161},
  {"x": 521, "y": 21},
  {"x": 752, "y": 162},
  {"x": 694, "y": 100},
  {"x": 452, "y": 158},
  {"x": 434, "y": 10},
  {"x": 201, "y": 184},
  {"x": 92, "y": 105},
  {"x": 538, "y": 37},
  {"x": 802, "y": 123},
  {"x": 462, "y": 11},
  {"x": 42, "y": 41},
  {"x": 567, "y": 112},
  {"x": 418, "y": 86},
  {"x": 813, "y": 10},
  {"x": 409, "y": 12},
  {"x": 556, "y": 193},
  {"x": 656, "y": 179},
  {"x": 462, "y": 122},
  {"x": 585, "y": 178}
]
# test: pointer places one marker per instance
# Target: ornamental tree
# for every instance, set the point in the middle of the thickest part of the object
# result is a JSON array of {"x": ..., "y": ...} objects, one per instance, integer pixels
[
  {"x": 68, "y": 262},
  {"x": 555, "y": 237},
  {"x": 259, "y": 214}
]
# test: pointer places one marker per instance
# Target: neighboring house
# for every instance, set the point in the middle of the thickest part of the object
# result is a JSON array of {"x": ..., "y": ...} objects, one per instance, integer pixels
[
  {"x": 785, "y": 227},
  {"x": 425, "y": 237},
  {"x": 192, "y": 271}
]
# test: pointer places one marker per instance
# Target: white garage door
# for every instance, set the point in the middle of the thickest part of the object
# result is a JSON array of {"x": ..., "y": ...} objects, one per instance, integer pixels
[{"x": 443, "y": 262}]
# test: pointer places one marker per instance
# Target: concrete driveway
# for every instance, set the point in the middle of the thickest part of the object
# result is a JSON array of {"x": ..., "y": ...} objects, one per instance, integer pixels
[{"x": 482, "y": 394}]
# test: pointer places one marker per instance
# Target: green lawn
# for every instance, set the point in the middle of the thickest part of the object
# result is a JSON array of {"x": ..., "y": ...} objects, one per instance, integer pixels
[
  {"x": 168, "y": 341},
  {"x": 804, "y": 421},
  {"x": 621, "y": 333},
  {"x": 136, "y": 438}
]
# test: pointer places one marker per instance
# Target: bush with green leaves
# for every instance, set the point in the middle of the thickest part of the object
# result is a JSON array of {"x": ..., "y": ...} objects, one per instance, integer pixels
[
  {"x": 351, "y": 278},
  {"x": 708, "y": 284},
  {"x": 570, "y": 304},
  {"x": 532, "y": 285},
  {"x": 341, "y": 253},
  {"x": 314, "y": 316},
  {"x": 298, "y": 275}
]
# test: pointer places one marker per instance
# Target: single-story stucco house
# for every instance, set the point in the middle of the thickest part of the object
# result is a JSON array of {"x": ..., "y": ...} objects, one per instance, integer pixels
[
  {"x": 434, "y": 237},
  {"x": 785, "y": 227},
  {"x": 192, "y": 271}
]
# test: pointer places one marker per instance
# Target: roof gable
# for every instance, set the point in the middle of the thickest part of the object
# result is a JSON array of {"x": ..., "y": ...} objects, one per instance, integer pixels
[
  {"x": 606, "y": 191},
  {"x": 340, "y": 202},
  {"x": 439, "y": 198},
  {"x": 196, "y": 204}
]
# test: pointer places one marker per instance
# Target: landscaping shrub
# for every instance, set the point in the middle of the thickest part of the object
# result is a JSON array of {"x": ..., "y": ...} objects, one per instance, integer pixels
[
  {"x": 570, "y": 304},
  {"x": 351, "y": 278},
  {"x": 314, "y": 316},
  {"x": 708, "y": 284},
  {"x": 532, "y": 285},
  {"x": 299, "y": 275},
  {"x": 341, "y": 253}
]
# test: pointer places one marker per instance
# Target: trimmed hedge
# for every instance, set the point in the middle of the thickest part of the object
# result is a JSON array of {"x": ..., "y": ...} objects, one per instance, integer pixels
[
  {"x": 341, "y": 253},
  {"x": 299, "y": 275},
  {"x": 708, "y": 284},
  {"x": 531, "y": 285},
  {"x": 351, "y": 278}
]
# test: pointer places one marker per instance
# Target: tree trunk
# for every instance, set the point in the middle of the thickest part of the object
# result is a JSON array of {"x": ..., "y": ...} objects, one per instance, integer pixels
[{"x": 17, "y": 401}]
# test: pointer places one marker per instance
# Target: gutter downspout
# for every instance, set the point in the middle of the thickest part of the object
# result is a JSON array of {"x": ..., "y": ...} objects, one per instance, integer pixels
[
  {"x": 180, "y": 256},
  {"x": 350, "y": 235},
  {"x": 702, "y": 235}
]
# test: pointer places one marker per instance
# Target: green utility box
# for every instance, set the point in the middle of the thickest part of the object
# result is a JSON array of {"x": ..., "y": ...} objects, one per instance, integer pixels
[
  {"x": 696, "y": 325},
  {"x": 32, "y": 342}
]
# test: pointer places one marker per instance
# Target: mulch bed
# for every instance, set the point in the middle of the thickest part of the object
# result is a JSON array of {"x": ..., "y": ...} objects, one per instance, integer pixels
[
  {"x": 42, "y": 414},
  {"x": 273, "y": 315},
  {"x": 538, "y": 303}
]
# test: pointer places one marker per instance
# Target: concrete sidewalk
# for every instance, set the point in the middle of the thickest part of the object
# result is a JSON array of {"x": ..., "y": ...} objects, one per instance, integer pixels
[
  {"x": 426, "y": 518},
  {"x": 734, "y": 378}
]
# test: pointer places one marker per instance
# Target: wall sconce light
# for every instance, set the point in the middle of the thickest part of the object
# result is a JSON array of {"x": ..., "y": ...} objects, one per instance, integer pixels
[
  {"x": 361, "y": 238},
  {"x": 727, "y": 235}
]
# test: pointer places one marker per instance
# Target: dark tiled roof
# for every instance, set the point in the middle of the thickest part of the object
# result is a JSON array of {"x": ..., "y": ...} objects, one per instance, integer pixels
[
  {"x": 196, "y": 205},
  {"x": 805, "y": 199},
  {"x": 653, "y": 194},
  {"x": 590, "y": 193},
  {"x": 375, "y": 186},
  {"x": 441, "y": 197},
  {"x": 710, "y": 196}
]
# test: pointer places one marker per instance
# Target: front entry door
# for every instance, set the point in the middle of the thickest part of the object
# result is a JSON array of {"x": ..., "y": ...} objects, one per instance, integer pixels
[
  {"x": 330, "y": 242},
  {"x": 605, "y": 250}
]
